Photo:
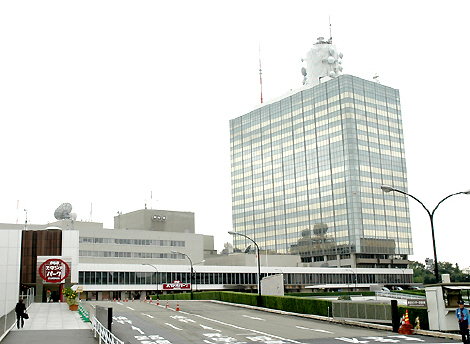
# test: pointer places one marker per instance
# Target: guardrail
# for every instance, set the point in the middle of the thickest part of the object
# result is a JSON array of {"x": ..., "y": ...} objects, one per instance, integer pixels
[
  {"x": 104, "y": 336},
  {"x": 399, "y": 295}
]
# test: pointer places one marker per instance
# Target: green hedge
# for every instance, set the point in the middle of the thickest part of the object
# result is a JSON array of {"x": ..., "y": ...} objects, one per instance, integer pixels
[
  {"x": 333, "y": 293},
  {"x": 297, "y": 304}
]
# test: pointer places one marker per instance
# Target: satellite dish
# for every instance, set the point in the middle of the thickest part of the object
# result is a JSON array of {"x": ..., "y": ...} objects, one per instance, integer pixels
[
  {"x": 332, "y": 74},
  {"x": 63, "y": 211},
  {"x": 248, "y": 249},
  {"x": 303, "y": 71},
  {"x": 331, "y": 50},
  {"x": 154, "y": 217},
  {"x": 331, "y": 60},
  {"x": 340, "y": 55}
]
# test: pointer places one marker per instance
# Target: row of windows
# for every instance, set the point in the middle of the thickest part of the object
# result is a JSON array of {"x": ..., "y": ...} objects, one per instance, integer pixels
[
  {"x": 140, "y": 242},
  {"x": 115, "y": 254},
  {"x": 139, "y": 278}
]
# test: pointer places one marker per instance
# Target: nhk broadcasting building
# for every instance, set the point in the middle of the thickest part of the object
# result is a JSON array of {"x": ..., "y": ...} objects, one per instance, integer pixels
[
  {"x": 307, "y": 170},
  {"x": 152, "y": 254}
]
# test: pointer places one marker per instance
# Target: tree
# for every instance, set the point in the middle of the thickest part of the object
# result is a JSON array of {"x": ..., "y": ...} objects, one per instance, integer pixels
[{"x": 422, "y": 275}]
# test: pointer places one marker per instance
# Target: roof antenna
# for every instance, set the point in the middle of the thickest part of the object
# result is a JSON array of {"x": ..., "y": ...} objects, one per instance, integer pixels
[
  {"x": 331, "y": 37},
  {"x": 260, "y": 78}
]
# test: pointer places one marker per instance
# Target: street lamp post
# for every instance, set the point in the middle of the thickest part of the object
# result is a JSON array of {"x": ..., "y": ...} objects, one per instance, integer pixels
[
  {"x": 191, "y": 276},
  {"x": 403, "y": 275},
  {"x": 387, "y": 188},
  {"x": 156, "y": 273},
  {"x": 355, "y": 278},
  {"x": 259, "y": 269}
]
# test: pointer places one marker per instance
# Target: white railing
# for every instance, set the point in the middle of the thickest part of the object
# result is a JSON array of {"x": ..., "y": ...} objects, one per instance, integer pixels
[
  {"x": 28, "y": 299},
  {"x": 104, "y": 336},
  {"x": 399, "y": 295}
]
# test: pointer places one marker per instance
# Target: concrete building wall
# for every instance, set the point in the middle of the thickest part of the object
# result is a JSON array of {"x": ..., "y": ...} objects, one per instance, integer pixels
[
  {"x": 156, "y": 220},
  {"x": 244, "y": 259},
  {"x": 193, "y": 246},
  {"x": 10, "y": 258},
  {"x": 273, "y": 285},
  {"x": 209, "y": 245},
  {"x": 70, "y": 249}
]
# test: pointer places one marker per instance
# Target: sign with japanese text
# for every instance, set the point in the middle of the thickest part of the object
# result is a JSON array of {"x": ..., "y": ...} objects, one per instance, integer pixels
[
  {"x": 176, "y": 285},
  {"x": 54, "y": 270},
  {"x": 416, "y": 303}
]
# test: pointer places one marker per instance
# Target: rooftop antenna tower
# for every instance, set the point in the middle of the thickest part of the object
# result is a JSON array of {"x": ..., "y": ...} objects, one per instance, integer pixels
[
  {"x": 260, "y": 78},
  {"x": 331, "y": 37}
]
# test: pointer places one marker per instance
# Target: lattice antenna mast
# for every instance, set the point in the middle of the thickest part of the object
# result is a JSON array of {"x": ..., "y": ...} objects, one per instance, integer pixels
[
  {"x": 260, "y": 73},
  {"x": 331, "y": 37}
]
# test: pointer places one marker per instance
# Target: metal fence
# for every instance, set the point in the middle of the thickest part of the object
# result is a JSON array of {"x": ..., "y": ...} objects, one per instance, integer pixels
[
  {"x": 104, "y": 336},
  {"x": 365, "y": 311}
]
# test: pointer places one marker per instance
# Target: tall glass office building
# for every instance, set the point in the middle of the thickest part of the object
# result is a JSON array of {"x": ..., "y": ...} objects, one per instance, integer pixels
[{"x": 307, "y": 171}]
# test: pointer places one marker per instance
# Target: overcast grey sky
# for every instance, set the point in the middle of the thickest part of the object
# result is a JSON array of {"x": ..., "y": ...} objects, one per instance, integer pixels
[{"x": 106, "y": 102}]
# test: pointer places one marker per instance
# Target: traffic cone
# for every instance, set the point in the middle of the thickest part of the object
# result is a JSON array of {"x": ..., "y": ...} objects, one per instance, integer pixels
[
  {"x": 158, "y": 302},
  {"x": 166, "y": 303},
  {"x": 127, "y": 299},
  {"x": 177, "y": 306},
  {"x": 132, "y": 299},
  {"x": 407, "y": 320},
  {"x": 150, "y": 301},
  {"x": 402, "y": 321},
  {"x": 114, "y": 299}
]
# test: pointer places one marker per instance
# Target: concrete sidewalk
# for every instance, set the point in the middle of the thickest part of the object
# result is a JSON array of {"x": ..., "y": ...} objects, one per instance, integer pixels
[{"x": 51, "y": 323}]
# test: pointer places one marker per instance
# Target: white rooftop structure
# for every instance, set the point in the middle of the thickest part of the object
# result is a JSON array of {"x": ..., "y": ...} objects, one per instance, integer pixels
[{"x": 323, "y": 61}]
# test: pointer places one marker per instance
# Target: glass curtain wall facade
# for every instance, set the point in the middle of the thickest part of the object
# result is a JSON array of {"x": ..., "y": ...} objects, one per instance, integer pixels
[{"x": 307, "y": 171}]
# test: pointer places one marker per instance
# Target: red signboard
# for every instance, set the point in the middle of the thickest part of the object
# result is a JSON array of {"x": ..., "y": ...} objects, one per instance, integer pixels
[
  {"x": 176, "y": 285},
  {"x": 54, "y": 270}
]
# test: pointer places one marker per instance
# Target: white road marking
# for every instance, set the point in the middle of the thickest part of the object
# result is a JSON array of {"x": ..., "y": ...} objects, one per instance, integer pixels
[
  {"x": 246, "y": 329},
  {"x": 407, "y": 338},
  {"x": 352, "y": 340},
  {"x": 209, "y": 328},
  {"x": 313, "y": 329},
  {"x": 254, "y": 318},
  {"x": 383, "y": 340},
  {"x": 176, "y": 328},
  {"x": 138, "y": 330},
  {"x": 148, "y": 315},
  {"x": 132, "y": 309},
  {"x": 119, "y": 303}
]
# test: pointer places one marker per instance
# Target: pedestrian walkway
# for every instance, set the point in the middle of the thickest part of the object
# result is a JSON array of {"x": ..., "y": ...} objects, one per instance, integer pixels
[{"x": 51, "y": 323}]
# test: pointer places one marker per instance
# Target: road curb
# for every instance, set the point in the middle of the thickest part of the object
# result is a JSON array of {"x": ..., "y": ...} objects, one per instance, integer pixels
[{"x": 344, "y": 322}]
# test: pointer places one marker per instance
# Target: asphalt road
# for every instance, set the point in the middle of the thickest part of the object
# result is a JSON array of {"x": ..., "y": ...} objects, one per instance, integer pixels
[{"x": 212, "y": 323}]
